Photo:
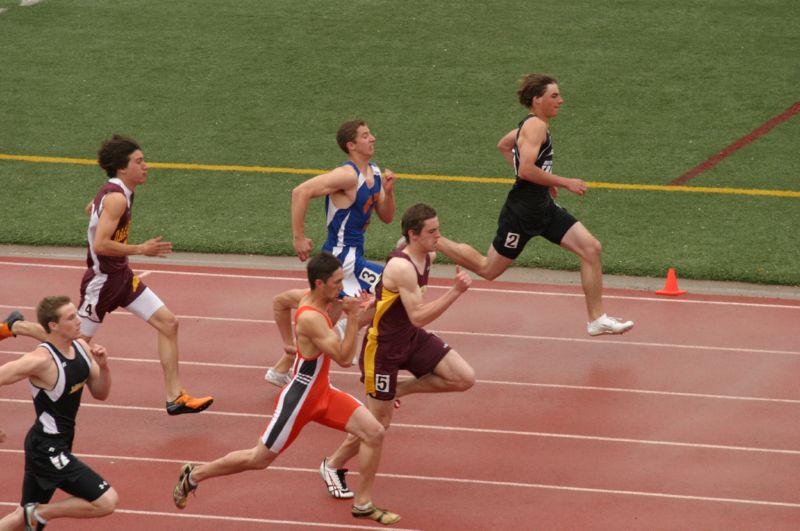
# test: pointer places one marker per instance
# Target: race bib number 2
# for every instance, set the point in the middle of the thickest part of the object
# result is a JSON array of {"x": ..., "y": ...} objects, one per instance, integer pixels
[{"x": 512, "y": 240}]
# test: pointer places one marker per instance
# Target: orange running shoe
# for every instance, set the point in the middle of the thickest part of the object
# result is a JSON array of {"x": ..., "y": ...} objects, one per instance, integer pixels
[{"x": 188, "y": 404}]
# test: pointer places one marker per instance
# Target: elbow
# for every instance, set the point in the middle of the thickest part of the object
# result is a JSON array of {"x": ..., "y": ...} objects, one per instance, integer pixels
[
  {"x": 102, "y": 394},
  {"x": 416, "y": 322},
  {"x": 299, "y": 193},
  {"x": 344, "y": 362}
]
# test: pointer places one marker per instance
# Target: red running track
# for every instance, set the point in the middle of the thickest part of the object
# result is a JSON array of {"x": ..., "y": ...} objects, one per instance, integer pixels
[{"x": 688, "y": 422}]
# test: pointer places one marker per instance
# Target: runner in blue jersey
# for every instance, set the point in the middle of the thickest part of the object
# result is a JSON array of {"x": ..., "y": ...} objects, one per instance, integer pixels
[{"x": 352, "y": 191}]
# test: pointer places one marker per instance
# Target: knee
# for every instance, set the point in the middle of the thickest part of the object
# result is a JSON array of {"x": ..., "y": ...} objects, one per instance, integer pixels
[
  {"x": 373, "y": 436},
  {"x": 18, "y": 514},
  {"x": 172, "y": 324},
  {"x": 592, "y": 249},
  {"x": 167, "y": 323},
  {"x": 596, "y": 248},
  {"x": 466, "y": 379},
  {"x": 106, "y": 503},
  {"x": 490, "y": 275},
  {"x": 259, "y": 460}
]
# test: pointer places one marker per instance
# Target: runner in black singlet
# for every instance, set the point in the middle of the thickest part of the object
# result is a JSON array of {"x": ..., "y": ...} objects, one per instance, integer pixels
[
  {"x": 530, "y": 209},
  {"x": 58, "y": 370}
]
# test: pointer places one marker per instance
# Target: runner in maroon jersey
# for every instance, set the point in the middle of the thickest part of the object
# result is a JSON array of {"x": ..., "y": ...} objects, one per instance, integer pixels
[
  {"x": 109, "y": 282},
  {"x": 396, "y": 340}
]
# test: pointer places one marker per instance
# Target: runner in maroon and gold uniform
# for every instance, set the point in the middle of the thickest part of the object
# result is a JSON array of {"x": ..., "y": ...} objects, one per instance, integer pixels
[
  {"x": 109, "y": 282},
  {"x": 396, "y": 339}
]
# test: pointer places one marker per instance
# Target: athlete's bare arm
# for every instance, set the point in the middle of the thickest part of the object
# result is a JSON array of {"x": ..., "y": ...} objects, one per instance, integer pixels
[
  {"x": 314, "y": 334},
  {"x": 506, "y": 146},
  {"x": 114, "y": 206},
  {"x": 282, "y": 305},
  {"x": 400, "y": 275},
  {"x": 36, "y": 365},
  {"x": 99, "y": 381},
  {"x": 386, "y": 205},
  {"x": 341, "y": 180},
  {"x": 532, "y": 135}
]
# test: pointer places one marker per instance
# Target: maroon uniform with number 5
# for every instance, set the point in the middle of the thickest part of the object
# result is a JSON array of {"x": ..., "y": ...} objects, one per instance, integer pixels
[{"x": 393, "y": 343}]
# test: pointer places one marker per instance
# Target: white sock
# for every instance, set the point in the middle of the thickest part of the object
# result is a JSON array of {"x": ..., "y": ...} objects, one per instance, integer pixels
[
  {"x": 191, "y": 481},
  {"x": 39, "y": 517}
]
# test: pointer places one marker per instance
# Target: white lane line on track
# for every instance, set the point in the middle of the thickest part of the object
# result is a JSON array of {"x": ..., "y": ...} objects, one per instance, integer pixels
[
  {"x": 619, "y": 342},
  {"x": 495, "y": 335},
  {"x": 223, "y": 518},
  {"x": 475, "y": 289},
  {"x": 461, "y": 429},
  {"x": 488, "y": 382},
  {"x": 489, "y": 483}
]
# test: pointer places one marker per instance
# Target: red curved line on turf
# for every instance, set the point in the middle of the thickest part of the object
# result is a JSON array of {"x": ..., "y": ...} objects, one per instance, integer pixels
[{"x": 753, "y": 135}]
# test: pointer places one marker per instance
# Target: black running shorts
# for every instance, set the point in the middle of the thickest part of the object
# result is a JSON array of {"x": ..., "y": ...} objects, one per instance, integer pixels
[
  {"x": 514, "y": 231},
  {"x": 49, "y": 464}
]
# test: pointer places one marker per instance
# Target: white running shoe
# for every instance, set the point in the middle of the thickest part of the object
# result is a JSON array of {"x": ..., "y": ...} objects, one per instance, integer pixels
[
  {"x": 334, "y": 479},
  {"x": 277, "y": 378},
  {"x": 608, "y": 325}
]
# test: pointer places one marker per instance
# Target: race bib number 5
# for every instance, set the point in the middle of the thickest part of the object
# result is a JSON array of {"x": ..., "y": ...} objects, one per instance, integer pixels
[{"x": 382, "y": 383}]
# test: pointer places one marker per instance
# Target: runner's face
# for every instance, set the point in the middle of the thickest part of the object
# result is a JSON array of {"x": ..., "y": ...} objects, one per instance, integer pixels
[
  {"x": 334, "y": 285},
  {"x": 136, "y": 171},
  {"x": 429, "y": 234},
  {"x": 549, "y": 103},
  {"x": 364, "y": 143},
  {"x": 69, "y": 324}
]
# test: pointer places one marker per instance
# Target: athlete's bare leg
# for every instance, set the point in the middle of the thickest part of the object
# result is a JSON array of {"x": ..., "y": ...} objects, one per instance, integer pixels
[
  {"x": 369, "y": 433},
  {"x": 580, "y": 241},
  {"x": 167, "y": 325},
  {"x": 71, "y": 507},
  {"x": 489, "y": 267},
  {"x": 381, "y": 410},
  {"x": 452, "y": 374},
  {"x": 255, "y": 458}
]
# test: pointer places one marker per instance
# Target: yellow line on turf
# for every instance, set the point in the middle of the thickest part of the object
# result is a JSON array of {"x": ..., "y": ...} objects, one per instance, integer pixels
[{"x": 417, "y": 177}]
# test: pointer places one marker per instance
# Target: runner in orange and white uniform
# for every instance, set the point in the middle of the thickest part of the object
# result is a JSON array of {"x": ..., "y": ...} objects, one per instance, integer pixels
[{"x": 310, "y": 397}]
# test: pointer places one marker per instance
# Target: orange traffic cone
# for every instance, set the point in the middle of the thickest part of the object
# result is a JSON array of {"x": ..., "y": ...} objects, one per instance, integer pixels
[{"x": 671, "y": 286}]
